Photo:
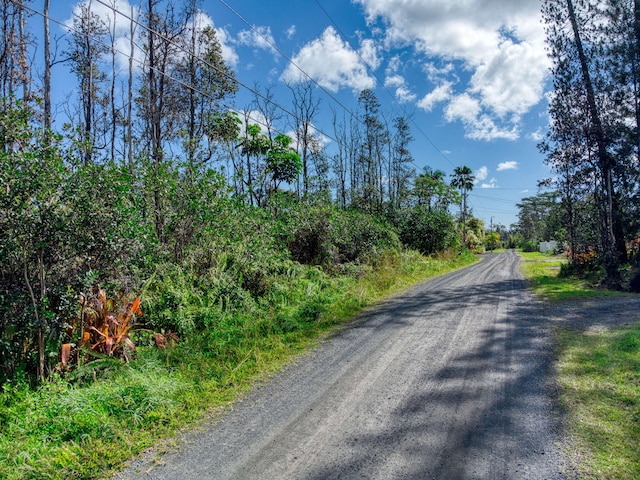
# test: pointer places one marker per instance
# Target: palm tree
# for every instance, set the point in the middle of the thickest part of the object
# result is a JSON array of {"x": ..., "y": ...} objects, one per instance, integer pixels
[{"x": 463, "y": 181}]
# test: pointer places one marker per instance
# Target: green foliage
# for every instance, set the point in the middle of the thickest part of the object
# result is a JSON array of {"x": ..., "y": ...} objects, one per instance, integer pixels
[
  {"x": 325, "y": 235},
  {"x": 492, "y": 241},
  {"x": 111, "y": 411},
  {"x": 427, "y": 231}
]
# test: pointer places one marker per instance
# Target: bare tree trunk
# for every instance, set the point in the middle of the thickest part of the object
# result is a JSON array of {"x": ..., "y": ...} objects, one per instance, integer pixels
[
  {"x": 112, "y": 95},
  {"x": 24, "y": 64},
  {"x": 46, "y": 88},
  {"x": 130, "y": 94}
]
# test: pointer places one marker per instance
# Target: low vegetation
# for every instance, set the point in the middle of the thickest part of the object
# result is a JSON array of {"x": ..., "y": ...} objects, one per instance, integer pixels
[
  {"x": 551, "y": 280},
  {"x": 598, "y": 375}
]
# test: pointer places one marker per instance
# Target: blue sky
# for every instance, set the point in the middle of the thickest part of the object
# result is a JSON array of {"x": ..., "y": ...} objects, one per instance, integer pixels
[{"x": 472, "y": 73}]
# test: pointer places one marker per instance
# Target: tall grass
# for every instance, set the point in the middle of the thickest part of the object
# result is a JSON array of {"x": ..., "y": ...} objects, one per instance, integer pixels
[{"x": 87, "y": 425}]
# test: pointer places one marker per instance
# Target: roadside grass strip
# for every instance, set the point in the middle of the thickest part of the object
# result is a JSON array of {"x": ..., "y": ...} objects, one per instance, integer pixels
[
  {"x": 542, "y": 270},
  {"x": 599, "y": 373}
]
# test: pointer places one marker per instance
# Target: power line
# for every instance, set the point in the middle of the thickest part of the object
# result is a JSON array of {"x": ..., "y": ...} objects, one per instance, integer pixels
[
  {"x": 287, "y": 58},
  {"x": 345, "y": 38}
]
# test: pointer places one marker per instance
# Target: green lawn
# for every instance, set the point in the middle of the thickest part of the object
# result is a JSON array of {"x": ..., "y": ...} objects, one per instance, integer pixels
[{"x": 599, "y": 374}]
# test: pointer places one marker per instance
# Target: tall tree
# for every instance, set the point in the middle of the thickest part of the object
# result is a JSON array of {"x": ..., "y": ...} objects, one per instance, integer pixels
[
  {"x": 305, "y": 109},
  {"x": 462, "y": 179},
  {"x": 593, "y": 46},
  {"x": 204, "y": 81},
  {"x": 374, "y": 137},
  {"x": 400, "y": 171},
  {"x": 87, "y": 49}
]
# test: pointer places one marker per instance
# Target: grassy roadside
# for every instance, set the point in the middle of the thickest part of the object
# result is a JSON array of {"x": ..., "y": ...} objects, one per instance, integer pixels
[
  {"x": 112, "y": 411},
  {"x": 599, "y": 376},
  {"x": 542, "y": 271}
]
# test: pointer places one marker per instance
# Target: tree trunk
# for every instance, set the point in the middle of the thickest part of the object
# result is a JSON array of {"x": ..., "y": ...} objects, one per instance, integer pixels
[{"x": 46, "y": 87}]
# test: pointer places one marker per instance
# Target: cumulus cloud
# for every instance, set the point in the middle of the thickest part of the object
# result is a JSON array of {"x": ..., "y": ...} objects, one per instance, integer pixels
[
  {"x": 259, "y": 37},
  {"x": 500, "y": 43},
  {"x": 481, "y": 174},
  {"x": 478, "y": 125},
  {"x": 493, "y": 183},
  {"x": 333, "y": 63},
  {"x": 403, "y": 93},
  {"x": 440, "y": 94},
  {"x": 511, "y": 165}
]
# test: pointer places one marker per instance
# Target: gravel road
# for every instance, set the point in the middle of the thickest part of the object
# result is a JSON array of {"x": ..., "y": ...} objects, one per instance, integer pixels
[{"x": 449, "y": 380}]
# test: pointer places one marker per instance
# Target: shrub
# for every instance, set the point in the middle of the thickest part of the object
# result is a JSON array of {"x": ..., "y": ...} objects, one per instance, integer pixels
[
  {"x": 427, "y": 231},
  {"x": 325, "y": 235}
]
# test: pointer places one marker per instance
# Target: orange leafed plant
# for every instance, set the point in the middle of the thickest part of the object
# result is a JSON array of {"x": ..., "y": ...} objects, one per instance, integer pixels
[{"x": 105, "y": 326}]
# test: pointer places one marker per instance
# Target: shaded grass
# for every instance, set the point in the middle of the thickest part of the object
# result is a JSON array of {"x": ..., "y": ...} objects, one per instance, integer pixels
[
  {"x": 599, "y": 373},
  {"x": 109, "y": 412},
  {"x": 542, "y": 270}
]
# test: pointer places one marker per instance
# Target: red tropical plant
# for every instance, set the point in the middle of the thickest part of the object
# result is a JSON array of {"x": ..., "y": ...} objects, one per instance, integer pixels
[{"x": 105, "y": 327}]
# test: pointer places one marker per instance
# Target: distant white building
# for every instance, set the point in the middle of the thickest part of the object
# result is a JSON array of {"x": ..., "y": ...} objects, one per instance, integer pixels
[{"x": 548, "y": 246}]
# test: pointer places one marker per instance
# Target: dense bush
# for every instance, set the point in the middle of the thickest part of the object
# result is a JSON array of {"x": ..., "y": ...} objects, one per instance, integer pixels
[
  {"x": 427, "y": 231},
  {"x": 325, "y": 235}
]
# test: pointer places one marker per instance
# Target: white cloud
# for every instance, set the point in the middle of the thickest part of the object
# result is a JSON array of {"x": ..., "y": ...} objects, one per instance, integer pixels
[
  {"x": 511, "y": 165},
  {"x": 481, "y": 174},
  {"x": 333, "y": 63},
  {"x": 291, "y": 31},
  {"x": 228, "y": 52},
  {"x": 440, "y": 94},
  {"x": 478, "y": 125},
  {"x": 259, "y": 37},
  {"x": 536, "y": 136},
  {"x": 369, "y": 53},
  {"x": 403, "y": 93},
  {"x": 493, "y": 183},
  {"x": 499, "y": 43}
]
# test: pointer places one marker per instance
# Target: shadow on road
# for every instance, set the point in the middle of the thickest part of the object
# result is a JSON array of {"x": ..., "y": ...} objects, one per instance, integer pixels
[{"x": 490, "y": 413}]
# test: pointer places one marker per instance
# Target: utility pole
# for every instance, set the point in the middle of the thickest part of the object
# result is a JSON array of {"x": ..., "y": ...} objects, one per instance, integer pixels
[{"x": 491, "y": 233}]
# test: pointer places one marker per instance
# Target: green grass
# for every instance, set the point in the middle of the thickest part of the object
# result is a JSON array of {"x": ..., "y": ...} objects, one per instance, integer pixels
[
  {"x": 110, "y": 411},
  {"x": 600, "y": 378},
  {"x": 542, "y": 271}
]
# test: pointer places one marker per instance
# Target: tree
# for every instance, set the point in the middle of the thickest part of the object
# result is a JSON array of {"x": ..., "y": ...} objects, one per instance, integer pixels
[
  {"x": 400, "y": 171},
  {"x": 431, "y": 189},
  {"x": 305, "y": 109},
  {"x": 204, "y": 81},
  {"x": 462, "y": 179},
  {"x": 370, "y": 161},
  {"x": 15, "y": 74},
  {"x": 283, "y": 163},
  {"x": 87, "y": 49},
  {"x": 586, "y": 42}
]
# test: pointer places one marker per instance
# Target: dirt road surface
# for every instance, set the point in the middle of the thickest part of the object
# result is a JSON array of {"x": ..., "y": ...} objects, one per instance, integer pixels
[{"x": 449, "y": 380}]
